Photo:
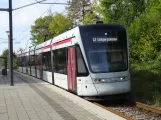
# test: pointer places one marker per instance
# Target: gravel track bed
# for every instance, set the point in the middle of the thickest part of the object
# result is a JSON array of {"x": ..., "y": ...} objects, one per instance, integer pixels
[{"x": 130, "y": 110}]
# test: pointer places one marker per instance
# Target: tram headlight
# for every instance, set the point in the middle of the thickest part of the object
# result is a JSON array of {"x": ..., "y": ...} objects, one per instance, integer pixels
[
  {"x": 123, "y": 78},
  {"x": 111, "y": 80},
  {"x": 102, "y": 80}
]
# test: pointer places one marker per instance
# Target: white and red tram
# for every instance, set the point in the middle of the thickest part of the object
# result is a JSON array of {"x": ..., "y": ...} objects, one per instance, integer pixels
[{"x": 90, "y": 61}]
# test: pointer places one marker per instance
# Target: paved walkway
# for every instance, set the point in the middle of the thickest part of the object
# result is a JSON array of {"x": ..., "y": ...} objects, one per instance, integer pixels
[{"x": 32, "y": 100}]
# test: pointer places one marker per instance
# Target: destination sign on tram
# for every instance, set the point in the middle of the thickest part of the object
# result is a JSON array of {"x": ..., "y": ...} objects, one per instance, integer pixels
[{"x": 104, "y": 39}]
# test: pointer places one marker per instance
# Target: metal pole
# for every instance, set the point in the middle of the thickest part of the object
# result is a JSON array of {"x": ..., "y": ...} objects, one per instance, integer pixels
[{"x": 11, "y": 42}]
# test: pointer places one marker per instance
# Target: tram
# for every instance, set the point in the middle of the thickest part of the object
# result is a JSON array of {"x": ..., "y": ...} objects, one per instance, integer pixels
[{"x": 91, "y": 61}]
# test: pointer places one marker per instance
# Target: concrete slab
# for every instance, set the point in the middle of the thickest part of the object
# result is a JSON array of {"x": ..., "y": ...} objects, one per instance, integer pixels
[
  {"x": 33, "y": 99},
  {"x": 91, "y": 108}
]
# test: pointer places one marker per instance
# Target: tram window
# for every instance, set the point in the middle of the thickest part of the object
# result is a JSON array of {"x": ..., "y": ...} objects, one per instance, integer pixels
[
  {"x": 32, "y": 61},
  {"x": 20, "y": 61},
  {"x": 27, "y": 61},
  {"x": 81, "y": 69},
  {"x": 46, "y": 61},
  {"x": 60, "y": 61},
  {"x": 36, "y": 62},
  {"x": 23, "y": 61}
]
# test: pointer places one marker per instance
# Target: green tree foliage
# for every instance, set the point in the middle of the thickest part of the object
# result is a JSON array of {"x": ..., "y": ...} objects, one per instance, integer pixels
[
  {"x": 59, "y": 24},
  {"x": 89, "y": 18},
  {"x": 40, "y": 30},
  {"x": 142, "y": 21},
  {"x": 140, "y": 17},
  {"x": 48, "y": 27},
  {"x": 122, "y": 11},
  {"x": 94, "y": 14},
  {"x": 144, "y": 33},
  {"x": 6, "y": 55}
]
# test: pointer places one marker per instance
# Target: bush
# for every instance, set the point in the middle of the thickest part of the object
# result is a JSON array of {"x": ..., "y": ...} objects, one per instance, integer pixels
[{"x": 147, "y": 77}]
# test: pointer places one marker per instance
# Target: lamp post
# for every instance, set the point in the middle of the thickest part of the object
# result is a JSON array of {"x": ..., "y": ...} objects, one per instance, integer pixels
[
  {"x": 9, "y": 57},
  {"x": 9, "y": 66}
]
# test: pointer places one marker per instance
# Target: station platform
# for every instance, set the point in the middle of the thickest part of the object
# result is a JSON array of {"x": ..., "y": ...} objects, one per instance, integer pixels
[{"x": 34, "y": 99}]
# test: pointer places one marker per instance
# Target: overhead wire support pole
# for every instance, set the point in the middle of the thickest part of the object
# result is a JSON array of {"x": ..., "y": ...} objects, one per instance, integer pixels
[{"x": 11, "y": 43}]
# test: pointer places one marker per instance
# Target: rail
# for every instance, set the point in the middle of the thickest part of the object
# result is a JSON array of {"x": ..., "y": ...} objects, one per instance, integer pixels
[
  {"x": 148, "y": 108},
  {"x": 113, "y": 111}
]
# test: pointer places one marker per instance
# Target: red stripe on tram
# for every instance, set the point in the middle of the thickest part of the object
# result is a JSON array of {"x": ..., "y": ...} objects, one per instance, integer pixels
[
  {"x": 62, "y": 42},
  {"x": 46, "y": 47},
  {"x": 58, "y": 43}
]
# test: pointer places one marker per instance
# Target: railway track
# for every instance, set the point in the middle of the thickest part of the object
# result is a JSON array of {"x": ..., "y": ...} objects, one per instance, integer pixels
[{"x": 132, "y": 111}]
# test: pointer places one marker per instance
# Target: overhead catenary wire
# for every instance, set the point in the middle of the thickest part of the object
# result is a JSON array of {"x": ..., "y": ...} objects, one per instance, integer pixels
[
  {"x": 29, "y": 5},
  {"x": 24, "y": 37},
  {"x": 3, "y": 39},
  {"x": 40, "y": 2},
  {"x": 34, "y": 22},
  {"x": 29, "y": 34},
  {"x": 57, "y": 3},
  {"x": 26, "y": 45}
]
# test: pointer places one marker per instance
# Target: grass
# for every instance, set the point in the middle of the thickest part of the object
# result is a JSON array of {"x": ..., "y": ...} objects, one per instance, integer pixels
[
  {"x": 146, "y": 82},
  {"x": 157, "y": 98}
]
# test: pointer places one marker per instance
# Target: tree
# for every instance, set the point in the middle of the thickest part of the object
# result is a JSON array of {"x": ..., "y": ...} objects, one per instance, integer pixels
[
  {"x": 6, "y": 55},
  {"x": 94, "y": 14},
  {"x": 145, "y": 33},
  {"x": 90, "y": 17},
  {"x": 40, "y": 30},
  {"x": 77, "y": 10},
  {"x": 59, "y": 24},
  {"x": 48, "y": 27},
  {"x": 122, "y": 11},
  {"x": 141, "y": 19}
]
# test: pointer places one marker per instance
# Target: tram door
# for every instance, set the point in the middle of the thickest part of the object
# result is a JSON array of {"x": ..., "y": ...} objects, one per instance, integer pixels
[
  {"x": 40, "y": 66},
  {"x": 26, "y": 64},
  {"x": 27, "y": 61},
  {"x": 71, "y": 69}
]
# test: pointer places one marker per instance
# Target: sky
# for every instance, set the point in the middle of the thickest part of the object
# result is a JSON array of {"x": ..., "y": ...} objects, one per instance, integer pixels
[{"x": 22, "y": 21}]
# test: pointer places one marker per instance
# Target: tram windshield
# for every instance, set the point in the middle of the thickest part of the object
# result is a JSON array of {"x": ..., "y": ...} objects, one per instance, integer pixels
[{"x": 106, "y": 50}]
